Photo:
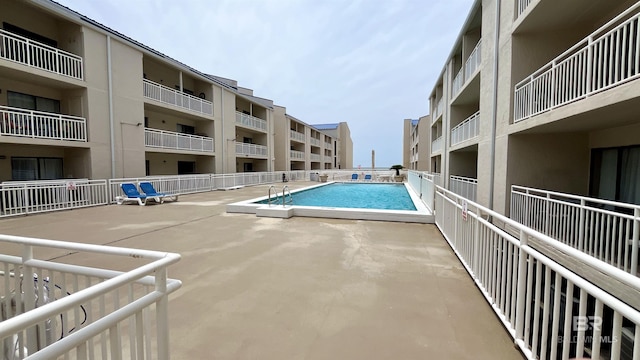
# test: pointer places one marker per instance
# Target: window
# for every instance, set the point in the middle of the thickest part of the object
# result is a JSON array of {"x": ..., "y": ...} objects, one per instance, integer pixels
[
  {"x": 32, "y": 168},
  {"x": 247, "y": 140},
  {"x": 186, "y": 167},
  {"x": 248, "y": 167},
  {"x": 615, "y": 174},
  {"x": 186, "y": 129},
  {"x": 30, "y": 102}
]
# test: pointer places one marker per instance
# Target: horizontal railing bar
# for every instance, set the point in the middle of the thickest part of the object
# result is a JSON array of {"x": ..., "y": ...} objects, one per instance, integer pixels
[{"x": 111, "y": 250}]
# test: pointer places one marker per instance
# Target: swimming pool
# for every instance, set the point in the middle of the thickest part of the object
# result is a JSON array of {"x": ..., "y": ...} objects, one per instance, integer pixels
[
  {"x": 353, "y": 196},
  {"x": 341, "y": 206}
]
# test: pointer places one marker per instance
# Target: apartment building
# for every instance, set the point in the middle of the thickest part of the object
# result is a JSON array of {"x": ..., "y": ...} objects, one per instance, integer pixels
[
  {"x": 541, "y": 94},
  {"x": 80, "y": 100},
  {"x": 343, "y": 146},
  {"x": 300, "y": 146},
  {"x": 416, "y": 132}
]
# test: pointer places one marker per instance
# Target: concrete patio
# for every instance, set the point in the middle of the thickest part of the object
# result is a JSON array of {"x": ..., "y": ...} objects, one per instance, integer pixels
[{"x": 301, "y": 288}]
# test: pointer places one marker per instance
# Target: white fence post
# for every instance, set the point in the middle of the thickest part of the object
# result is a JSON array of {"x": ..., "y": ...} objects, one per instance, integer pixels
[{"x": 634, "y": 242}]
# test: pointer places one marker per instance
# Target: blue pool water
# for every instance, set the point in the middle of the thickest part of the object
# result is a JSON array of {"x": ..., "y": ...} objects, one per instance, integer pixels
[{"x": 360, "y": 196}]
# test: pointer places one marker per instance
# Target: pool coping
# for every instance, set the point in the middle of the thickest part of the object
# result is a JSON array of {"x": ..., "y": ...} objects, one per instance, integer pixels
[{"x": 422, "y": 214}]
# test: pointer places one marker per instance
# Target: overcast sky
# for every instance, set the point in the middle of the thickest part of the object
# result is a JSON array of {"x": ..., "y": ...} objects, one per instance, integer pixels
[{"x": 371, "y": 63}]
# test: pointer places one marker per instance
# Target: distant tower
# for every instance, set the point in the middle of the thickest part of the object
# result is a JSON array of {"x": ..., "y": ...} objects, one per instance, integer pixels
[{"x": 373, "y": 159}]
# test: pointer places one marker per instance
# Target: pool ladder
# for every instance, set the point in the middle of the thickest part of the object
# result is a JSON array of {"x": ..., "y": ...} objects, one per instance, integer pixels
[{"x": 285, "y": 191}]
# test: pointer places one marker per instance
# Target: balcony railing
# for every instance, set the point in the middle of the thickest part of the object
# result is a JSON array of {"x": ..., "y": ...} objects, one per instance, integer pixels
[
  {"x": 170, "y": 96},
  {"x": 523, "y": 5},
  {"x": 41, "y": 125},
  {"x": 314, "y": 157},
  {"x": 173, "y": 140},
  {"x": 296, "y": 155},
  {"x": 436, "y": 145},
  {"x": 251, "y": 121},
  {"x": 472, "y": 63},
  {"x": 458, "y": 81},
  {"x": 328, "y": 158},
  {"x": 251, "y": 149},
  {"x": 297, "y": 136},
  {"x": 464, "y": 186},
  {"x": 38, "y": 55},
  {"x": 314, "y": 141},
  {"x": 606, "y": 230},
  {"x": 468, "y": 129},
  {"x": 605, "y": 59},
  {"x": 439, "y": 107}
]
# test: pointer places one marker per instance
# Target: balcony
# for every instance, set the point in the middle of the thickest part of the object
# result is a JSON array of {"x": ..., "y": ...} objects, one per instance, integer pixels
[
  {"x": 464, "y": 186},
  {"x": 315, "y": 157},
  {"x": 328, "y": 159},
  {"x": 438, "y": 112},
  {"x": 297, "y": 136},
  {"x": 314, "y": 142},
  {"x": 251, "y": 122},
  {"x": 605, "y": 59},
  {"x": 173, "y": 140},
  {"x": 296, "y": 155},
  {"x": 436, "y": 145},
  {"x": 466, "y": 72},
  {"x": 41, "y": 125},
  {"x": 466, "y": 130},
  {"x": 251, "y": 150},
  {"x": 40, "y": 56},
  {"x": 167, "y": 95}
]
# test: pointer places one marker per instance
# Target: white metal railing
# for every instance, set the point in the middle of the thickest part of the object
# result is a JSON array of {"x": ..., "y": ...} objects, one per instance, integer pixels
[
  {"x": 522, "y": 5},
  {"x": 313, "y": 141},
  {"x": 436, "y": 145},
  {"x": 551, "y": 312},
  {"x": 423, "y": 184},
  {"x": 173, "y": 140},
  {"x": 458, "y": 81},
  {"x": 55, "y": 309},
  {"x": 297, "y": 136},
  {"x": 328, "y": 145},
  {"x": 464, "y": 186},
  {"x": 314, "y": 157},
  {"x": 28, "y": 52},
  {"x": 298, "y": 155},
  {"x": 41, "y": 125},
  {"x": 466, "y": 130},
  {"x": 251, "y": 121},
  {"x": 473, "y": 61},
  {"x": 605, "y": 59},
  {"x": 29, "y": 197},
  {"x": 170, "y": 96},
  {"x": 251, "y": 149},
  {"x": 437, "y": 179},
  {"x": 606, "y": 230},
  {"x": 328, "y": 158},
  {"x": 439, "y": 108}
]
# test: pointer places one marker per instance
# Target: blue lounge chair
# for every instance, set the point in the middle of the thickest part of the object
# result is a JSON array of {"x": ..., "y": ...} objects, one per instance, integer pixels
[
  {"x": 148, "y": 189},
  {"x": 367, "y": 177},
  {"x": 132, "y": 195},
  {"x": 354, "y": 177}
]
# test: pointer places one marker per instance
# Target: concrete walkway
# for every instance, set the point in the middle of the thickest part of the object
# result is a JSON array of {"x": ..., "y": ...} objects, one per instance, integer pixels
[{"x": 301, "y": 288}]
